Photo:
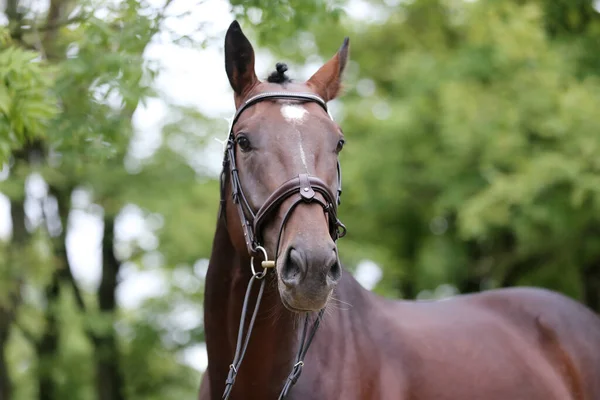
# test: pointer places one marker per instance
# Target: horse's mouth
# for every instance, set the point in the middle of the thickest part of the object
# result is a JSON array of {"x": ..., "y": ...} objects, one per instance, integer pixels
[
  {"x": 312, "y": 306},
  {"x": 293, "y": 309}
]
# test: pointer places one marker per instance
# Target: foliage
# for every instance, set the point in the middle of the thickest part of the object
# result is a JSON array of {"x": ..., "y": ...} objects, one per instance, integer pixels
[
  {"x": 278, "y": 20},
  {"x": 26, "y": 101},
  {"x": 78, "y": 146}
]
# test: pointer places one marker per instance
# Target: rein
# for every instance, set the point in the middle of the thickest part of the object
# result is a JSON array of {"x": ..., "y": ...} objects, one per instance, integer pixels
[{"x": 302, "y": 188}]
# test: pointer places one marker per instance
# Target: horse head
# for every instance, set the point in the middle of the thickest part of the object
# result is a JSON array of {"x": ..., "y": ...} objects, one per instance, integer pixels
[{"x": 284, "y": 177}]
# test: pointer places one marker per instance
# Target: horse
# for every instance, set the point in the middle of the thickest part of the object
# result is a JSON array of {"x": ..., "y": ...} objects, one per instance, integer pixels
[{"x": 277, "y": 228}]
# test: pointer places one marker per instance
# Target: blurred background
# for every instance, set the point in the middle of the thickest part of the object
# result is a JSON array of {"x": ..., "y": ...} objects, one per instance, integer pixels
[{"x": 472, "y": 162}]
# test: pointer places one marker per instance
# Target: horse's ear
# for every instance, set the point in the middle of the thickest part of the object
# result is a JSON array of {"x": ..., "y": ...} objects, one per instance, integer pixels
[
  {"x": 327, "y": 81},
  {"x": 239, "y": 60}
]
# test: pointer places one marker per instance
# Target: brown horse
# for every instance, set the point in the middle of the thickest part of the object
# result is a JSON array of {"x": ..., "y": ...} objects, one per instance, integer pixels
[{"x": 280, "y": 187}]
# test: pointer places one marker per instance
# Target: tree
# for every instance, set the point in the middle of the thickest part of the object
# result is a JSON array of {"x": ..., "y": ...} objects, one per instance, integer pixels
[{"x": 89, "y": 135}]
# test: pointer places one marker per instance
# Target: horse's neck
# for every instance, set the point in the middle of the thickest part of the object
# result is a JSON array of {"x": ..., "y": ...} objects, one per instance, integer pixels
[{"x": 274, "y": 339}]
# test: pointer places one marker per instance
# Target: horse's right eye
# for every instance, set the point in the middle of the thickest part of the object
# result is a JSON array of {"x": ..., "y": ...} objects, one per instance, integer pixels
[{"x": 243, "y": 142}]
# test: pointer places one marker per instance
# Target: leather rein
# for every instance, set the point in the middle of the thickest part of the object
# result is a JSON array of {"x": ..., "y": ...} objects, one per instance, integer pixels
[{"x": 303, "y": 189}]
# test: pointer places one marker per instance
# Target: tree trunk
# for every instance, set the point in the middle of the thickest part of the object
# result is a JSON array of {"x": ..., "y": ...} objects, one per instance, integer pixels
[
  {"x": 48, "y": 345},
  {"x": 9, "y": 309},
  {"x": 5, "y": 381},
  {"x": 109, "y": 380},
  {"x": 15, "y": 18}
]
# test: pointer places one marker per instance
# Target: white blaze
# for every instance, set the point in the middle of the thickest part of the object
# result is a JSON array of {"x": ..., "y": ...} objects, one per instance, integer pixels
[{"x": 295, "y": 114}]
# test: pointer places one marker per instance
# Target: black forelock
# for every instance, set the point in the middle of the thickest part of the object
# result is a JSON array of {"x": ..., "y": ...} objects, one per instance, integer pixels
[{"x": 279, "y": 76}]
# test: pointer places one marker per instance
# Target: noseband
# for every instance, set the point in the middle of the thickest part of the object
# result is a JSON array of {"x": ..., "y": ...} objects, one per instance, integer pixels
[{"x": 301, "y": 189}]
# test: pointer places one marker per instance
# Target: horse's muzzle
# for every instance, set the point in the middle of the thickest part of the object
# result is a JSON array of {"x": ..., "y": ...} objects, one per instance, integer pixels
[{"x": 308, "y": 277}]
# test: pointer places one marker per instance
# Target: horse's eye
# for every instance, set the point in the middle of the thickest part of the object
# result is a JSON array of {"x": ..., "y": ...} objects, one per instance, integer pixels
[
  {"x": 243, "y": 142},
  {"x": 340, "y": 145}
]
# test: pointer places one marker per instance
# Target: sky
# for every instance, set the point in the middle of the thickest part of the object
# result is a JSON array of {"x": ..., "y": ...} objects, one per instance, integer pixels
[{"x": 182, "y": 83}]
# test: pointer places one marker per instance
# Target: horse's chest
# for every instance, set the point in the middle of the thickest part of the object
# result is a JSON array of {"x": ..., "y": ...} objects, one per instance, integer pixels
[{"x": 348, "y": 381}]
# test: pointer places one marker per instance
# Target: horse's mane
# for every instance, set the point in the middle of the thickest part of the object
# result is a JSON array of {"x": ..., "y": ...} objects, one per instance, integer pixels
[{"x": 279, "y": 76}]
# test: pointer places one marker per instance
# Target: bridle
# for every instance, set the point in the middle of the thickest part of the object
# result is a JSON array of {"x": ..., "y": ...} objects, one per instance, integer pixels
[{"x": 301, "y": 189}]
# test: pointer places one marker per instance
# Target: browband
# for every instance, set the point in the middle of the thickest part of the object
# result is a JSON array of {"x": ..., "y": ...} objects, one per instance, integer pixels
[{"x": 278, "y": 95}]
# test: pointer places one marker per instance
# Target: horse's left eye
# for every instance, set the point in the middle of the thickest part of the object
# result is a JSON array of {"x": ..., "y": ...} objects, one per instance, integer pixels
[
  {"x": 340, "y": 145},
  {"x": 243, "y": 142}
]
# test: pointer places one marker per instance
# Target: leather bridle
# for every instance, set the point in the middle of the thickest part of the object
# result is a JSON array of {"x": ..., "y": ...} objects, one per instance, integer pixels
[{"x": 301, "y": 189}]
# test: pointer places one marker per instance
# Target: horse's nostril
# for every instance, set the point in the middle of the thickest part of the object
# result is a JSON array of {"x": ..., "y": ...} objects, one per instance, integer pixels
[
  {"x": 335, "y": 272},
  {"x": 292, "y": 268}
]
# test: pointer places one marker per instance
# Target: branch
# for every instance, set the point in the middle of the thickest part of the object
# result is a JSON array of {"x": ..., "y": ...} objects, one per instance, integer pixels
[
  {"x": 55, "y": 24},
  {"x": 14, "y": 19},
  {"x": 62, "y": 198},
  {"x": 161, "y": 15},
  {"x": 110, "y": 268},
  {"x": 53, "y": 20},
  {"x": 30, "y": 337},
  {"x": 76, "y": 291}
]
